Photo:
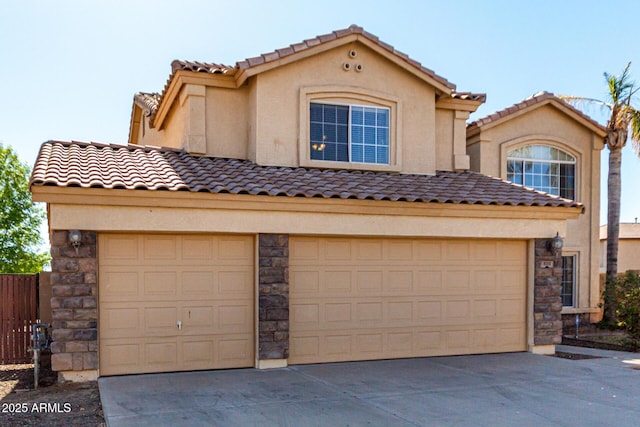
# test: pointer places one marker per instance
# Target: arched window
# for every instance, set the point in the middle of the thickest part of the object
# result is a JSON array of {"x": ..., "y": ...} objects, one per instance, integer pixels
[{"x": 544, "y": 168}]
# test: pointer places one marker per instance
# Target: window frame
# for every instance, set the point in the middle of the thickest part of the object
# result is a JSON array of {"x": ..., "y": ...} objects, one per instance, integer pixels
[
  {"x": 547, "y": 141},
  {"x": 533, "y": 162},
  {"x": 574, "y": 282},
  {"x": 350, "y": 126},
  {"x": 352, "y": 97}
]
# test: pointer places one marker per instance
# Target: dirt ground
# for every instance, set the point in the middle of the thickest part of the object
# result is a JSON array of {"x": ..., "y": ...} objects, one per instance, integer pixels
[{"x": 52, "y": 404}]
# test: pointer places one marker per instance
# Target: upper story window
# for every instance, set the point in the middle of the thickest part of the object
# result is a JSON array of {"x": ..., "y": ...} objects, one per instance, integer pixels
[
  {"x": 544, "y": 168},
  {"x": 349, "y": 133}
]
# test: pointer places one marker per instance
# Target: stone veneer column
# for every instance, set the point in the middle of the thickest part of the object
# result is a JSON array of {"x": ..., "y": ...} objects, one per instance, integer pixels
[
  {"x": 273, "y": 300},
  {"x": 547, "y": 300},
  {"x": 74, "y": 307}
]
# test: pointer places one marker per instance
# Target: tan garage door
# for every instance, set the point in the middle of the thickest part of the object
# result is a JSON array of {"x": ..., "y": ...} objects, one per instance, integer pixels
[
  {"x": 175, "y": 302},
  {"x": 364, "y": 299}
]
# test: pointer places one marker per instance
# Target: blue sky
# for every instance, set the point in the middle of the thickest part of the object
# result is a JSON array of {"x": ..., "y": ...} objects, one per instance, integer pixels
[{"x": 69, "y": 69}]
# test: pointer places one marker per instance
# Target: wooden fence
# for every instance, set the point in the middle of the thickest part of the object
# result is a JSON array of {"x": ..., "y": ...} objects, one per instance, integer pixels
[{"x": 18, "y": 311}]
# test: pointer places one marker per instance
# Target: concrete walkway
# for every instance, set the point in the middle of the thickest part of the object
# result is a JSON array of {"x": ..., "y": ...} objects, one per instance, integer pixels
[{"x": 516, "y": 389}]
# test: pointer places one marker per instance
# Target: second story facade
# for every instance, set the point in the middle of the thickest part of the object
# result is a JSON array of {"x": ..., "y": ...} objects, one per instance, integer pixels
[{"x": 344, "y": 100}]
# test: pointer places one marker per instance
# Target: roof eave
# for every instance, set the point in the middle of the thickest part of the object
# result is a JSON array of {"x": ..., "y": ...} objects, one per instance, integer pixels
[
  {"x": 177, "y": 81},
  {"x": 246, "y": 70},
  {"x": 486, "y": 123}
]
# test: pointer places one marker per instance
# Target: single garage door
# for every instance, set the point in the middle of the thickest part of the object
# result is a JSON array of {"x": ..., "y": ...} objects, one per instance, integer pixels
[
  {"x": 175, "y": 302},
  {"x": 364, "y": 299}
]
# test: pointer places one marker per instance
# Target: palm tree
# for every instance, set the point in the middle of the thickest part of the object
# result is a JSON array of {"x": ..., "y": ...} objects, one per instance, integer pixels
[{"x": 624, "y": 122}]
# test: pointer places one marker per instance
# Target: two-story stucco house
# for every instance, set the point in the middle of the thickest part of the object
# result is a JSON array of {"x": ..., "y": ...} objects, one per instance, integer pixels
[{"x": 323, "y": 202}]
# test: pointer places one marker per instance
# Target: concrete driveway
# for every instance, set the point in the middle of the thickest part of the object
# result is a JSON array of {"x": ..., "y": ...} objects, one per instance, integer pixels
[{"x": 516, "y": 389}]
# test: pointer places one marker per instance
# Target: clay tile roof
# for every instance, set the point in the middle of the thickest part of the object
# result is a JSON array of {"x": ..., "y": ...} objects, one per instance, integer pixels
[
  {"x": 481, "y": 97},
  {"x": 532, "y": 100},
  {"x": 200, "y": 67},
  {"x": 93, "y": 165},
  {"x": 147, "y": 101}
]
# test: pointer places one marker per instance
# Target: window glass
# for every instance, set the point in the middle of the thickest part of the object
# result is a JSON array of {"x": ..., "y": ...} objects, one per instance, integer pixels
[
  {"x": 349, "y": 133},
  {"x": 543, "y": 168}
]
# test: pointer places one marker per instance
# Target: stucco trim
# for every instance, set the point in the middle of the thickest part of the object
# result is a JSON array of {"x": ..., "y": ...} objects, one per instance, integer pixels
[{"x": 187, "y": 200}]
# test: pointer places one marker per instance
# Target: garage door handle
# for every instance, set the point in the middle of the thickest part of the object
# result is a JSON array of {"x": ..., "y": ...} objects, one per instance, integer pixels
[{"x": 179, "y": 325}]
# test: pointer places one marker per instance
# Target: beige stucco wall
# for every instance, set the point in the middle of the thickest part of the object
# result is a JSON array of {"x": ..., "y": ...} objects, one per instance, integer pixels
[
  {"x": 547, "y": 125},
  {"x": 227, "y": 122},
  {"x": 265, "y": 119},
  {"x": 628, "y": 247},
  {"x": 629, "y": 255},
  {"x": 278, "y": 104},
  {"x": 444, "y": 138},
  {"x": 124, "y": 210}
]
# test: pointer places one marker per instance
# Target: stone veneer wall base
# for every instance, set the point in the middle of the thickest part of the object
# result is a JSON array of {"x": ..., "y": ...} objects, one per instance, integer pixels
[
  {"x": 547, "y": 300},
  {"x": 273, "y": 298},
  {"x": 74, "y": 307}
]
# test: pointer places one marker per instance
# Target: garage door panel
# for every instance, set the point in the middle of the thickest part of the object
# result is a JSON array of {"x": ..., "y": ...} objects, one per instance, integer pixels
[
  {"x": 122, "y": 249},
  {"x": 118, "y": 283},
  {"x": 160, "y": 284},
  {"x": 122, "y": 321},
  {"x": 336, "y": 250},
  {"x": 122, "y": 357},
  {"x": 234, "y": 250},
  {"x": 160, "y": 248},
  {"x": 404, "y": 298},
  {"x": 234, "y": 282},
  {"x": 198, "y": 284},
  {"x": 197, "y": 248},
  {"x": 428, "y": 281},
  {"x": 458, "y": 281},
  {"x": 235, "y": 352},
  {"x": 197, "y": 319},
  {"x": 160, "y": 321},
  {"x": 175, "y": 278},
  {"x": 369, "y": 281},
  {"x": 337, "y": 282}
]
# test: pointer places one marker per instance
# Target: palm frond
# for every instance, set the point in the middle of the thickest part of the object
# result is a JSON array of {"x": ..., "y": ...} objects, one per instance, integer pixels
[
  {"x": 634, "y": 124},
  {"x": 586, "y": 104},
  {"x": 620, "y": 87}
]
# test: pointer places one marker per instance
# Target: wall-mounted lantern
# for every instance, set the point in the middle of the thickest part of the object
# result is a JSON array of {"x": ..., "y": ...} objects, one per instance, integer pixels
[
  {"x": 75, "y": 238},
  {"x": 555, "y": 244}
]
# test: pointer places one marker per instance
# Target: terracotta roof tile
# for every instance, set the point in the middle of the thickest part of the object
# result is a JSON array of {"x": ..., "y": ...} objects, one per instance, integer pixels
[
  {"x": 200, "y": 67},
  {"x": 147, "y": 101},
  {"x": 482, "y": 97},
  {"x": 532, "y": 100},
  {"x": 76, "y": 164}
]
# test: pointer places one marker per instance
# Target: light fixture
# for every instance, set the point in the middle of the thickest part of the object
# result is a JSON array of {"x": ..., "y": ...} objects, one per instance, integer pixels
[
  {"x": 555, "y": 244},
  {"x": 75, "y": 237}
]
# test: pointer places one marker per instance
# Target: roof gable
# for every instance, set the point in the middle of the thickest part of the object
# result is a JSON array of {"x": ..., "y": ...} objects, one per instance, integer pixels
[
  {"x": 235, "y": 76},
  {"x": 534, "y": 102}
]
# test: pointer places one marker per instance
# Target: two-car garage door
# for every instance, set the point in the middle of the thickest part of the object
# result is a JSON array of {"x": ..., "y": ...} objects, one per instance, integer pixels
[
  {"x": 175, "y": 302},
  {"x": 359, "y": 299}
]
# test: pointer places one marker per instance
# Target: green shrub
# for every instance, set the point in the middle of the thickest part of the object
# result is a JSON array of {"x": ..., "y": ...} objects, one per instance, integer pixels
[{"x": 627, "y": 302}]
